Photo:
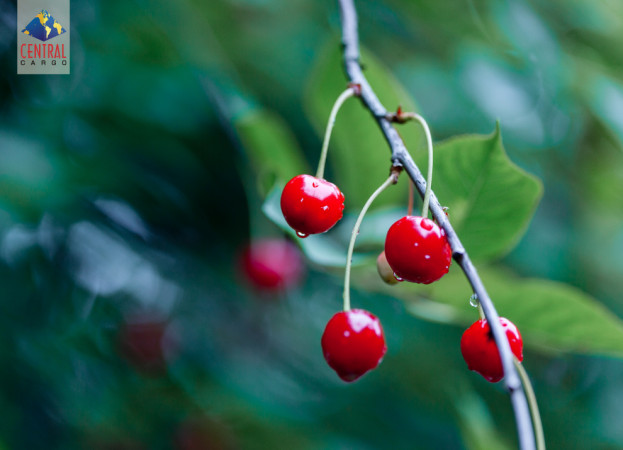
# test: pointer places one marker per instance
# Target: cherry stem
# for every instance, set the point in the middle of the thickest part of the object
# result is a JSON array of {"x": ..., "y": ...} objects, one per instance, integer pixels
[
  {"x": 349, "y": 92},
  {"x": 410, "y": 205},
  {"x": 429, "y": 144},
  {"x": 393, "y": 178},
  {"x": 534, "y": 407},
  {"x": 481, "y": 312}
]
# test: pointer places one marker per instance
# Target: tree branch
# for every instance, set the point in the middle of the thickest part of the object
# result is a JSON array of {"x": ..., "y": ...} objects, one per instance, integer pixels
[{"x": 400, "y": 157}]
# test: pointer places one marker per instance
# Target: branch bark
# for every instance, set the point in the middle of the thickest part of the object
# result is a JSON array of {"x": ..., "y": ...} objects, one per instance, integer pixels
[{"x": 400, "y": 157}]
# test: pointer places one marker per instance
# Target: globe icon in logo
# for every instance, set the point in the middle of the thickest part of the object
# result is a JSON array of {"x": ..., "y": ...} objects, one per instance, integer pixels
[{"x": 44, "y": 27}]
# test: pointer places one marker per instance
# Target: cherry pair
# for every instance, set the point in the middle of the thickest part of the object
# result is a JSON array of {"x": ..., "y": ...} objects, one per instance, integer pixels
[
  {"x": 353, "y": 341},
  {"x": 416, "y": 248}
]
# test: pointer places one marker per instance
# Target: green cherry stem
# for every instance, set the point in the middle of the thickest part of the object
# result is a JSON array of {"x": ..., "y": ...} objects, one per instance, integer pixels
[
  {"x": 429, "y": 143},
  {"x": 349, "y": 92},
  {"x": 393, "y": 178},
  {"x": 534, "y": 407},
  {"x": 481, "y": 312}
]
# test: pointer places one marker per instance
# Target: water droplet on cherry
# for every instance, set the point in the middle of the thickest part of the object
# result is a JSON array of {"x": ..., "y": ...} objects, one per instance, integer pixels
[
  {"x": 398, "y": 278},
  {"x": 301, "y": 235}
]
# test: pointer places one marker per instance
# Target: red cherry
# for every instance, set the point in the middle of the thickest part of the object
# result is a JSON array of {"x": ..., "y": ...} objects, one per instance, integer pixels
[
  {"x": 481, "y": 352},
  {"x": 311, "y": 205},
  {"x": 353, "y": 343},
  {"x": 145, "y": 345},
  {"x": 272, "y": 264},
  {"x": 417, "y": 250},
  {"x": 141, "y": 343}
]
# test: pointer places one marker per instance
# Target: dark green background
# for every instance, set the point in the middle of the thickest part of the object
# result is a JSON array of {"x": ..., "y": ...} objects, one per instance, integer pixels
[{"x": 126, "y": 190}]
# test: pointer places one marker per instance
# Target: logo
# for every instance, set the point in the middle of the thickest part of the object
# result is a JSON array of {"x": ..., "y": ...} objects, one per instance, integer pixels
[
  {"x": 44, "y": 27},
  {"x": 43, "y": 42}
]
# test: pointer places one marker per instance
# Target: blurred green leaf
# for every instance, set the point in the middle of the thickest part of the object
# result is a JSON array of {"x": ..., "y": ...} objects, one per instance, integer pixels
[
  {"x": 358, "y": 151},
  {"x": 271, "y": 146},
  {"x": 31, "y": 175},
  {"x": 605, "y": 98},
  {"x": 490, "y": 199},
  {"x": 476, "y": 424},
  {"x": 551, "y": 316}
]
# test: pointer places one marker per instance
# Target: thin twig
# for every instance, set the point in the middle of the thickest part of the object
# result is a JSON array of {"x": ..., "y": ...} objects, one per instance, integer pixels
[{"x": 400, "y": 157}]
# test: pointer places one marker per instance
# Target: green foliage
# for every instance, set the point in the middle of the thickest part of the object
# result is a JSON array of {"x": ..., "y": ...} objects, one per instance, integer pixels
[
  {"x": 490, "y": 200},
  {"x": 477, "y": 425},
  {"x": 29, "y": 181}
]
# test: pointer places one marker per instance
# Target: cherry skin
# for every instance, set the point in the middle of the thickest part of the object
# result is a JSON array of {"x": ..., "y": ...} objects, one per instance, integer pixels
[
  {"x": 311, "y": 205},
  {"x": 353, "y": 343},
  {"x": 272, "y": 264},
  {"x": 481, "y": 352},
  {"x": 417, "y": 250},
  {"x": 385, "y": 271}
]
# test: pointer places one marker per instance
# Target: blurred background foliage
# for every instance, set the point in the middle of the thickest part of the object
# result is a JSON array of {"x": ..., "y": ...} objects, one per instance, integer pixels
[{"x": 129, "y": 189}]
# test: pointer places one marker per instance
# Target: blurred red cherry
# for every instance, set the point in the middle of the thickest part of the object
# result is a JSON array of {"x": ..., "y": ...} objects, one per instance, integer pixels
[
  {"x": 202, "y": 434},
  {"x": 272, "y": 264},
  {"x": 145, "y": 345}
]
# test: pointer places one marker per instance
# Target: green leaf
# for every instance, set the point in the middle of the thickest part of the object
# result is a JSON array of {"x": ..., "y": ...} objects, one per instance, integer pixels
[
  {"x": 490, "y": 199},
  {"x": 555, "y": 316},
  {"x": 271, "y": 146},
  {"x": 551, "y": 316},
  {"x": 359, "y": 154}
]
